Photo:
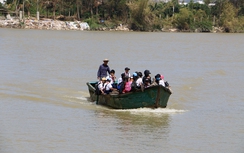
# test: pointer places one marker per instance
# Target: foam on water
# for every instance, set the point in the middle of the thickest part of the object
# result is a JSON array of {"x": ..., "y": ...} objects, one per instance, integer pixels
[
  {"x": 79, "y": 98},
  {"x": 150, "y": 111},
  {"x": 139, "y": 111}
]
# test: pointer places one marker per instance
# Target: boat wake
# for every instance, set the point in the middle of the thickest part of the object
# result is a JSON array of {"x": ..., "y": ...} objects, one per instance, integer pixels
[
  {"x": 139, "y": 111},
  {"x": 80, "y": 98},
  {"x": 152, "y": 111}
]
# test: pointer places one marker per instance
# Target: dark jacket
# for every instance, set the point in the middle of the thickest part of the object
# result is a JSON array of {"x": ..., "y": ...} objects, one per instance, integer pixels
[
  {"x": 146, "y": 77},
  {"x": 133, "y": 86},
  {"x": 102, "y": 71}
]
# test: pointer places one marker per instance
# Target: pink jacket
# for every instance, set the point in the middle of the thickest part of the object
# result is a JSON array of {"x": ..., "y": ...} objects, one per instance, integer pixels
[{"x": 127, "y": 86}]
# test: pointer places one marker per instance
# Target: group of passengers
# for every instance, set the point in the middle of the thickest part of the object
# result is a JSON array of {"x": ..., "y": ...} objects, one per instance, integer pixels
[{"x": 127, "y": 82}]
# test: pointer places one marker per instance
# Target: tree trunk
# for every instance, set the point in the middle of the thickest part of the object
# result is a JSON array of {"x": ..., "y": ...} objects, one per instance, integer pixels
[
  {"x": 91, "y": 6},
  {"x": 91, "y": 12},
  {"x": 78, "y": 10},
  {"x": 53, "y": 14}
]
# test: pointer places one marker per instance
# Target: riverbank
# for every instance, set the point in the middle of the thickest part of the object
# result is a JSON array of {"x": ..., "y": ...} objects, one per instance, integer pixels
[
  {"x": 50, "y": 24},
  {"x": 46, "y": 24}
]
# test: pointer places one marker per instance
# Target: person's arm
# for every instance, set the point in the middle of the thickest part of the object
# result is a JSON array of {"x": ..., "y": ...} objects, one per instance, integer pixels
[
  {"x": 99, "y": 73},
  {"x": 111, "y": 87},
  {"x": 108, "y": 70}
]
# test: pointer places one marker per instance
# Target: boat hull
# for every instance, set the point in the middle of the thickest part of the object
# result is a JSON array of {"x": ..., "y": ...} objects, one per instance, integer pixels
[{"x": 152, "y": 97}]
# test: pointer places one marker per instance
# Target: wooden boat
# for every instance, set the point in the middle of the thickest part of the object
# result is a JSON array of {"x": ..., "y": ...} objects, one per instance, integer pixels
[{"x": 152, "y": 97}]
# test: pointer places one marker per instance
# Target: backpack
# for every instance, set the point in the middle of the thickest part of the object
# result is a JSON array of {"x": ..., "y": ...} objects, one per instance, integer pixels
[
  {"x": 166, "y": 84},
  {"x": 133, "y": 86},
  {"x": 120, "y": 87}
]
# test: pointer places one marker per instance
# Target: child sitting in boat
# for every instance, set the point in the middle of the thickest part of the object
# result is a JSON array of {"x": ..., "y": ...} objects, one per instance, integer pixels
[
  {"x": 100, "y": 86},
  {"x": 133, "y": 81},
  {"x": 139, "y": 80},
  {"x": 127, "y": 85},
  {"x": 108, "y": 86},
  {"x": 121, "y": 79},
  {"x": 156, "y": 80},
  {"x": 112, "y": 77},
  {"x": 161, "y": 82},
  {"x": 146, "y": 83},
  {"x": 147, "y": 76}
]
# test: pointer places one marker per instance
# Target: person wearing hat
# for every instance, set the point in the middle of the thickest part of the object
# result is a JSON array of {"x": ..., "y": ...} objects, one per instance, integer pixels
[
  {"x": 156, "y": 80},
  {"x": 101, "y": 85},
  {"x": 133, "y": 81},
  {"x": 146, "y": 83},
  {"x": 147, "y": 76},
  {"x": 108, "y": 86},
  {"x": 103, "y": 69},
  {"x": 127, "y": 73}
]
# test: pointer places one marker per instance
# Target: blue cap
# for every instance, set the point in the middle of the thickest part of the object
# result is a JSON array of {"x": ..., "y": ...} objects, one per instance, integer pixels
[{"x": 134, "y": 74}]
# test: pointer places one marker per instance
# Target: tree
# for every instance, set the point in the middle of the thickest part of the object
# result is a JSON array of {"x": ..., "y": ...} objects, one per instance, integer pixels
[
  {"x": 228, "y": 17},
  {"x": 141, "y": 16},
  {"x": 28, "y": 5},
  {"x": 184, "y": 19},
  {"x": 78, "y": 3},
  {"x": 51, "y": 5}
]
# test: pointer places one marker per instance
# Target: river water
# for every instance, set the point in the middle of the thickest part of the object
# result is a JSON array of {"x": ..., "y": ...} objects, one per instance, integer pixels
[{"x": 43, "y": 92}]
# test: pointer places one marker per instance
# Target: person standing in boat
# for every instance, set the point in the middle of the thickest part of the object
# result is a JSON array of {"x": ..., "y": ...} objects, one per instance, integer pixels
[
  {"x": 103, "y": 69},
  {"x": 127, "y": 73}
]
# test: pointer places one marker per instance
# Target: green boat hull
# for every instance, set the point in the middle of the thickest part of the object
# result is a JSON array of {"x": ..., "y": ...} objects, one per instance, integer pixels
[{"x": 152, "y": 97}]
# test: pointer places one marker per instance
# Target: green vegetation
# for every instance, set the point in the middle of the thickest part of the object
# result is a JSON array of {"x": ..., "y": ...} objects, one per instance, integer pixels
[{"x": 140, "y": 15}]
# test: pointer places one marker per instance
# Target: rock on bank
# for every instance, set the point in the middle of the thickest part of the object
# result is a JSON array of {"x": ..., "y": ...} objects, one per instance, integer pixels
[{"x": 46, "y": 24}]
